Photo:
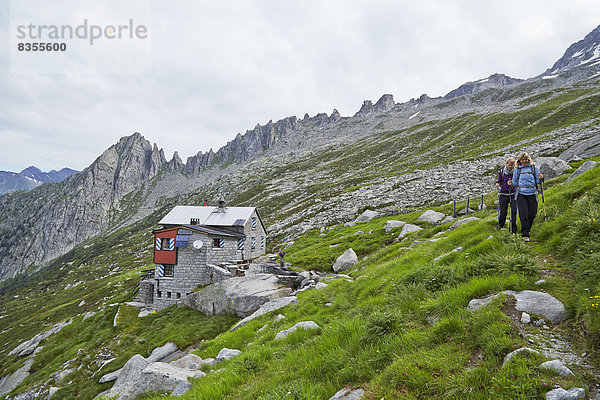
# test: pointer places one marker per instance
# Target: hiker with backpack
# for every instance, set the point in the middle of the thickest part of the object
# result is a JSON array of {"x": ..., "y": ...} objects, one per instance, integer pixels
[
  {"x": 525, "y": 180},
  {"x": 505, "y": 196}
]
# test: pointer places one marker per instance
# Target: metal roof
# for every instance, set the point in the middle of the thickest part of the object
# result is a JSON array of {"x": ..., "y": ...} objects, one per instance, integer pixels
[
  {"x": 208, "y": 230},
  {"x": 182, "y": 215}
]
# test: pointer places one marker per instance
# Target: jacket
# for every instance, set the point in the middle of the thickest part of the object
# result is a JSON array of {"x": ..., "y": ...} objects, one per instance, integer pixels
[
  {"x": 525, "y": 180},
  {"x": 504, "y": 176}
]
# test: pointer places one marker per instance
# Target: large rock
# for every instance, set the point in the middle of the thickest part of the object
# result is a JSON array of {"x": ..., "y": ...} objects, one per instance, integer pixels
[
  {"x": 159, "y": 377},
  {"x": 582, "y": 150},
  {"x": 239, "y": 296},
  {"x": 558, "y": 367},
  {"x": 431, "y": 216},
  {"x": 541, "y": 303},
  {"x": 160, "y": 353},
  {"x": 528, "y": 301},
  {"x": 409, "y": 228},
  {"x": 267, "y": 308},
  {"x": 299, "y": 325},
  {"x": 463, "y": 221},
  {"x": 367, "y": 215},
  {"x": 392, "y": 224},
  {"x": 586, "y": 166},
  {"x": 226, "y": 354},
  {"x": 128, "y": 375},
  {"x": 9, "y": 382},
  {"x": 551, "y": 167},
  {"x": 348, "y": 394},
  {"x": 562, "y": 394},
  {"x": 345, "y": 261}
]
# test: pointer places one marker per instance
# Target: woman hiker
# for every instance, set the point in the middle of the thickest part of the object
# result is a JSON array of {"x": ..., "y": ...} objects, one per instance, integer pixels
[
  {"x": 525, "y": 180},
  {"x": 505, "y": 196}
]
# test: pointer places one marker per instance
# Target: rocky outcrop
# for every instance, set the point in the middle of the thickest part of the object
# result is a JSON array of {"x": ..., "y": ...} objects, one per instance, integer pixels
[
  {"x": 558, "y": 367},
  {"x": 409, "y": 228},
  {"x": 49, "y": 220},
  {"x": 385, "y": 103},
  {"x": 11, "y": 381},
  {"x": 267, "y": 308},
  {"x": 562, "y": 394},
  {"x": 586, "y": 166},
  {"x": 584, "y": 149},
  {"x": 239, "y": 296},
  {"x": 28, "y": 347},
  {"x": 463, "y": 221},
  {"x": 366, "y": 216},
  {"x": 393, "y": 224}
]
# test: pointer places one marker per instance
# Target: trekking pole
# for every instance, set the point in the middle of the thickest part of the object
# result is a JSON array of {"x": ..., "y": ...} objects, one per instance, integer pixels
[{"x": 543, "y": 202}]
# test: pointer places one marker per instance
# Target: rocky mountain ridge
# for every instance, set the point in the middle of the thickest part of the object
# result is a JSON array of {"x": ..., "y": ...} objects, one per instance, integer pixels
[{"x": 315, "y": 170}]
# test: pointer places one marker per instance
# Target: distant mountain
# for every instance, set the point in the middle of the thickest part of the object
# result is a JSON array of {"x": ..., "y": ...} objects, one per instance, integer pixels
[
  {"x": 493, "y": 81},
  {"x": 30, "y": 178},
  {"x": 585, "y": 52}
]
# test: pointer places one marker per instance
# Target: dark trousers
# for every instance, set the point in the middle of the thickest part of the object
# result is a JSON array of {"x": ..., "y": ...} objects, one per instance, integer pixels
[
  {"x": 528, "y": 206},
  {"x": 503, "y": 203}
]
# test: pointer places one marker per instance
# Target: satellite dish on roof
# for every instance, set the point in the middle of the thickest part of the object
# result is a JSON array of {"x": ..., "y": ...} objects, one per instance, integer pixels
[{"x": 198, "y": 244}]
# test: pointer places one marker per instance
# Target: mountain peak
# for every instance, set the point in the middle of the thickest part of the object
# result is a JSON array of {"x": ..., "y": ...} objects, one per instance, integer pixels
[
  {"x": 493, "y": 81},
  {"x": 583, "y": 52}
]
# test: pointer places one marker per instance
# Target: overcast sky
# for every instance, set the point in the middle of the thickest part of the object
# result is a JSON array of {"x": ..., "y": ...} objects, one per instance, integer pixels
[{"x": 208, "y": 70}]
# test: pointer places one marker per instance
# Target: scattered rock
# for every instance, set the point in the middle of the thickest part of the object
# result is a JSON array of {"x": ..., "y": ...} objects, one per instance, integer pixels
[
  {"x": 456, "y": 250},
  {"x": 409, "y": 228},
  {"x": 447, "y": 220},
  {"x": 348, "y": 394},
  {"x": 189, "y": 361},
  {"x": 299, "y": 325},
  {"x": 562, "y": 394},
  {"x": 239, "y": 296},
  {"x": 367, "y": 215},
  {"x": 279, "y": 317},
  {"x": 392, "y": 224},
  {"x": 226, "y": 354},
  {"x": 321, "y": 285},
  {"x": 51, "y": 392},
  {"x": 586, "y": 166},
  {"x": 463, "y": 221},
  {"x": 525, "y": 318},
  {"x": 431, "y": 216},
  {"x": 349, "y": 224},
  {"x": 540, "y": 282},
  {"x": 60, "y": 376},
  {"x": 558, "y": 367},
  {"x": 510, "y": 355},
  {"x": 358, "y": 233},
  {"x": 345, "y": 261},
  {"x": 266, "y": 308}
]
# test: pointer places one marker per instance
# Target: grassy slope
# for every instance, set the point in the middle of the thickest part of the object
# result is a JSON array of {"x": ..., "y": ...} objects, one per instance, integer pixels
[{"x": 401, "y": 329}]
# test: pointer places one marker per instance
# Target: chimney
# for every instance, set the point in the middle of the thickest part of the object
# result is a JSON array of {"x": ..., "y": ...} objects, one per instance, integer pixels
[{"x": 221, "y": 204}]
